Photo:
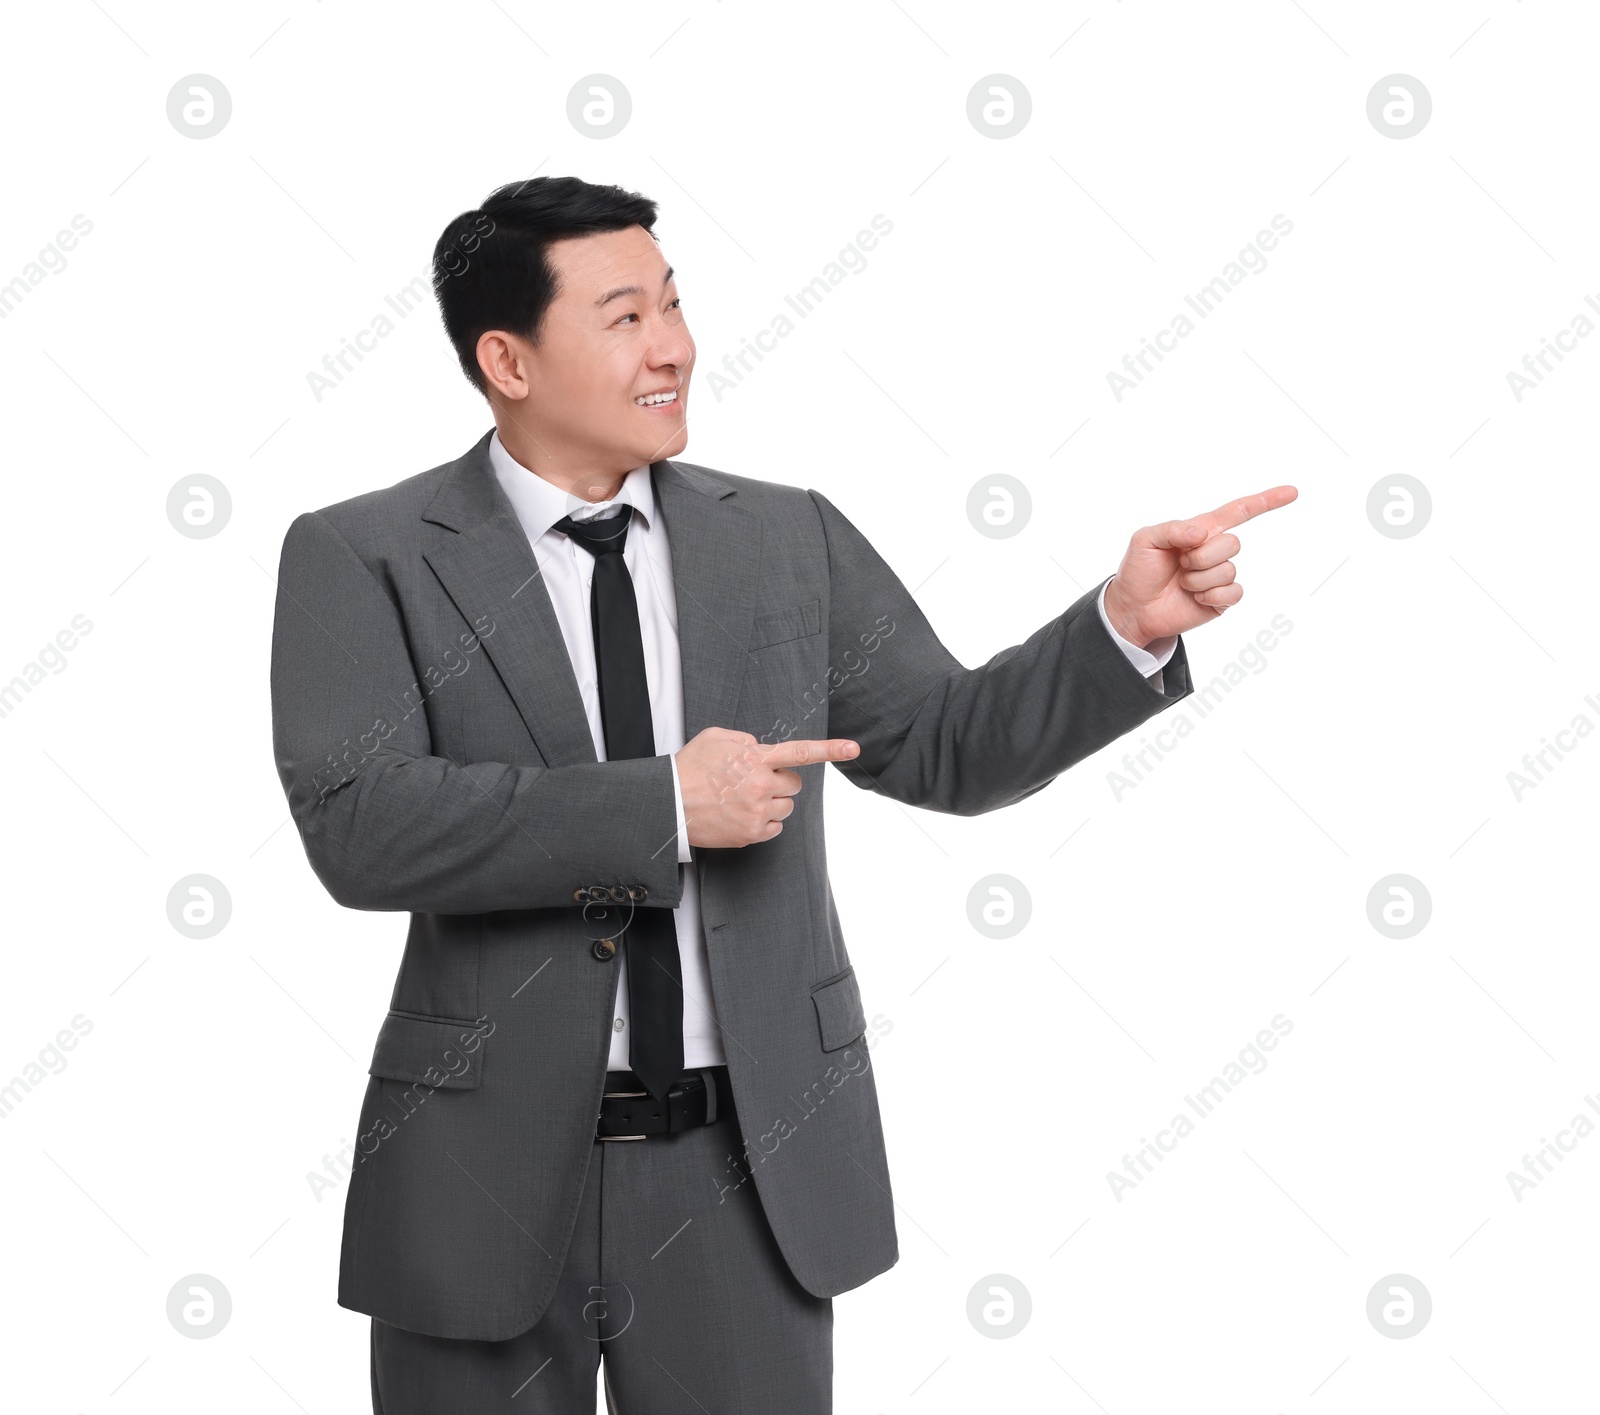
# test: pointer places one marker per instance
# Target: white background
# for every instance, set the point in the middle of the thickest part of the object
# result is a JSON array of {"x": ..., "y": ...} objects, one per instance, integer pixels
[{"x": 1228, "y": 887}]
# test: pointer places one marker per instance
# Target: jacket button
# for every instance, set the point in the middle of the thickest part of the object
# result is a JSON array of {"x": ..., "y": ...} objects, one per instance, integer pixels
[
  {"x": 618, "y": 893},
  {"x": 580, "y": 895},
  {"x": 604, "y": 948},
  {"x": 638, "y": 893}
]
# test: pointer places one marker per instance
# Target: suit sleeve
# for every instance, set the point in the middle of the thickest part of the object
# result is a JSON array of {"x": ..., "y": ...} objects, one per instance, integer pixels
[
  {"x": 388, "y": 825},
  {"x": 936, "y": 734}
]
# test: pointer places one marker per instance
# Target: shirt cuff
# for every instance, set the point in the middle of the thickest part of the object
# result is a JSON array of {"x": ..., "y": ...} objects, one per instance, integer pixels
[
  {"x": 1149, "y": 660},
  {"x": 684, "y": 857}
]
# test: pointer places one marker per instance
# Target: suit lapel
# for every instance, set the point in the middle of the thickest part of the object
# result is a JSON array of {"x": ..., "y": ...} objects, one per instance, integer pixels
[
  {"x": 716, "y": 559},
  {"x": 490, "y": 573}
]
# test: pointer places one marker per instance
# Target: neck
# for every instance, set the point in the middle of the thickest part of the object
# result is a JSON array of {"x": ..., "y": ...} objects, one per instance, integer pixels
[{"x": 577, "y": 471}]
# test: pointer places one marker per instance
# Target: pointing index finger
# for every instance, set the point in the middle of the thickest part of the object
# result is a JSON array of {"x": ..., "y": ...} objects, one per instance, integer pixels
[
  {"x": 802, "y": 752},
  {"x": 1234, "y": 513}
]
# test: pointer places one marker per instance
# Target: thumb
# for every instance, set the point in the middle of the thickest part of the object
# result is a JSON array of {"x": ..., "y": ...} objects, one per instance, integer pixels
[{"x": 1174, "y": 535}]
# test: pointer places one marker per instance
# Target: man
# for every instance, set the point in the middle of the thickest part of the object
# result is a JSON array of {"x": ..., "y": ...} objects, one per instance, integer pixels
[{"x": 568, "y": 701}]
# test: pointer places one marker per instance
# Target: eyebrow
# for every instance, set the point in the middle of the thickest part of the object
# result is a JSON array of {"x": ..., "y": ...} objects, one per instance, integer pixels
[{"x": 622, "y": 290}]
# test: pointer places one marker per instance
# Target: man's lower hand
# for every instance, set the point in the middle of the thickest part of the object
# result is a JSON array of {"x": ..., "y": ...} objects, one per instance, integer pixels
[{"x": 738, "y": 791}]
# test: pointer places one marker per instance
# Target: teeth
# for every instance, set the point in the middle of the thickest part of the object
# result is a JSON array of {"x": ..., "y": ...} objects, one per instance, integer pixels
[{"x": 652, "y": 399}]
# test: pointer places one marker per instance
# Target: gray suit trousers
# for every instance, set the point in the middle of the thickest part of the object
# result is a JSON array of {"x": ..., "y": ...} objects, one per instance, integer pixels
[{"x": 673, "y": 1278}]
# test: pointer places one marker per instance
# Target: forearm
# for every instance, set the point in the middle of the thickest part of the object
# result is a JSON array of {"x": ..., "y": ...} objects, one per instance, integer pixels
[
  {"x": 425, "y": 835},
  {"x": 987, "y": 737}
]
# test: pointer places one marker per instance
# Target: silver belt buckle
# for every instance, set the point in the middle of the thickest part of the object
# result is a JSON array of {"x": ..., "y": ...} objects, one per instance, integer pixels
[{"x": 608, "y": 1096}]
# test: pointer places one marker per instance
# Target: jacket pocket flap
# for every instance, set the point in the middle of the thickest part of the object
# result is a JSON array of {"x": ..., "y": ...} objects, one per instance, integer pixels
[
  {"x": 444, "y": 1052},
  {"x": 780, "y": 625},
  {"x": 840, "y": 1017}
]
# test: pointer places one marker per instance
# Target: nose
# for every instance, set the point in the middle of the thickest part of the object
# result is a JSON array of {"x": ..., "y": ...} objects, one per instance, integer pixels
[{"x": 672, "y": 347}]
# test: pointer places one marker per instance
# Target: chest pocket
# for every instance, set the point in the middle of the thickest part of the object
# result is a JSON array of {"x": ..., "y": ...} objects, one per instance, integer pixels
[{"x": 778, "y": 626}]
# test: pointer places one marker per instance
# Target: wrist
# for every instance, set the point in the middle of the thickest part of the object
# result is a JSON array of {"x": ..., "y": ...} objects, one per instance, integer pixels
[{"x": 1124, "y": 622}]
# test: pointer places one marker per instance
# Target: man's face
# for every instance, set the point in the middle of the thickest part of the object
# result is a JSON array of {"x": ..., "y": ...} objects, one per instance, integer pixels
[{"x": 608, "y": 381}]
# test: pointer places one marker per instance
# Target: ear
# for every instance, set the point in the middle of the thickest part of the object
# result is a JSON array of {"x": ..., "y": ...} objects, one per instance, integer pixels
[{"x": 503, "y": 363}]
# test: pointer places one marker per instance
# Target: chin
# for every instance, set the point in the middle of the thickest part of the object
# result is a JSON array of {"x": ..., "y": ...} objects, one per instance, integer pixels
[{"x": 671, "y": 447}]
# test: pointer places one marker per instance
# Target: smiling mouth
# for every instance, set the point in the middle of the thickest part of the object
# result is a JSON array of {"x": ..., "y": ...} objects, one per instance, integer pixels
[{"x": 657, "y": 400}]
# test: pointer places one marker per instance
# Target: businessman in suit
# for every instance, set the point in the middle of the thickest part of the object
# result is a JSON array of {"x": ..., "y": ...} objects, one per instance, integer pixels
[{"x": 568, "y": 701}]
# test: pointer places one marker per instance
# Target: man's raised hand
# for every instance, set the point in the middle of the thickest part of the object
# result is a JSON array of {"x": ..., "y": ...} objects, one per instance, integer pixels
[
  {"x": 1180, "y": 574},
  {"x": 737, "y": 790}
]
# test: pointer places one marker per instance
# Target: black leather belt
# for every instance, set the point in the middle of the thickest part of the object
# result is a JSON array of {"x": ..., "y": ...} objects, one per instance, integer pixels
[{"x": 629, "y": 1112}]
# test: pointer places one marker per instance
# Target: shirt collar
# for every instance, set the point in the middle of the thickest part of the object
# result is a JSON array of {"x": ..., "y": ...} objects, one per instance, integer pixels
[{"x": 539, "y": 504}]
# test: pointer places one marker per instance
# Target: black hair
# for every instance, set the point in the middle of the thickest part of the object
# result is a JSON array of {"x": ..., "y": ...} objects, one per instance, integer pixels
[{"x": 491, "y": 268}]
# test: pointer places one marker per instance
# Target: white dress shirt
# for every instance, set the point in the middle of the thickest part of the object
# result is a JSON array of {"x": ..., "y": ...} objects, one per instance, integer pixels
[{"x": 568, "y": 572}]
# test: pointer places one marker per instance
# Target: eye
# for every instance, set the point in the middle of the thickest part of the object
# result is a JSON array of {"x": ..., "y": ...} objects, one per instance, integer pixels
[{"x": 677, "y": 303}]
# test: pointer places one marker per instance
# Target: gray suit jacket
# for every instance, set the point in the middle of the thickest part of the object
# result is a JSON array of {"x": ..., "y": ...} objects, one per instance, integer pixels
[{"x": 431, "y": 740}]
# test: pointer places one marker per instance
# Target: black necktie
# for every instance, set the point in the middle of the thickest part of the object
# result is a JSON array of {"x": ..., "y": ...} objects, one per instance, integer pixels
[{"x": 650, "y": 940}]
